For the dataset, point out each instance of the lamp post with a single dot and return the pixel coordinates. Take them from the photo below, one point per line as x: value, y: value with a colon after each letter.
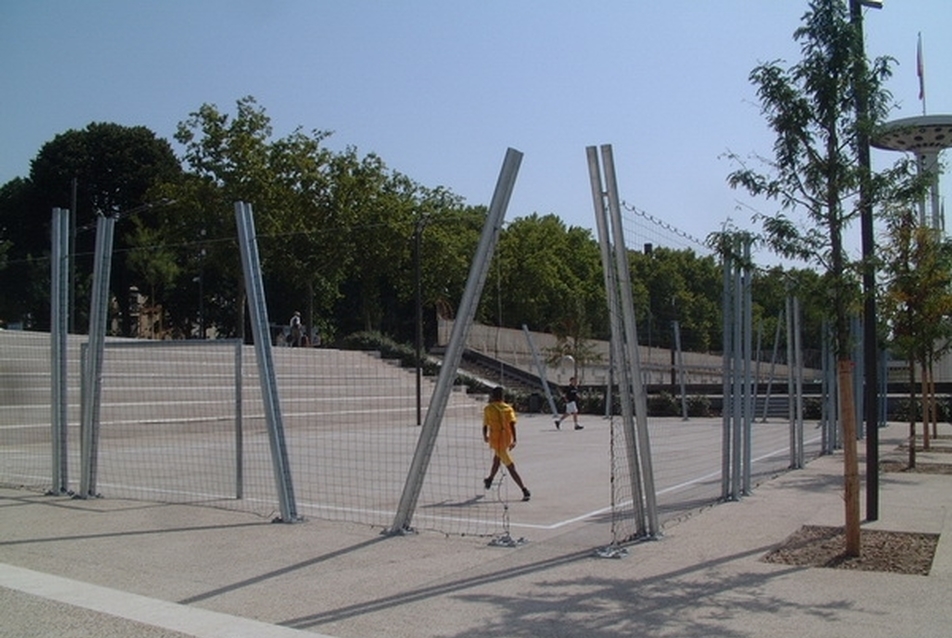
x: 200, y: 280
x: 870, y: 350
x: 201, y: 290
x: 418, y: 285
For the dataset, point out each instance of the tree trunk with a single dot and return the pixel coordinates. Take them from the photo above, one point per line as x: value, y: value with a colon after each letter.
x: 933, y: 400
x: 926, y: 406
x: 311, y: 328
x: 850, y: 460
x: 912, y: 415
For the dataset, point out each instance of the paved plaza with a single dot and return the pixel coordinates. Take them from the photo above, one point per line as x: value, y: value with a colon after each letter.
x: 108, y: 568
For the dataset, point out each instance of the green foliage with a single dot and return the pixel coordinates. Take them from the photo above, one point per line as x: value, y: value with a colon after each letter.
x: 664, y: 404
x: 699, y: 406
x: 812, y: 408
x: 337, y: 234
x: 821, y: 111
x: 114, y: 168
x: 234, y: 158
x: 917, y: 303
x: 158, y: 266
x: 909, y: 411
x: 772, y: 286
x: 389, y: 349
x: 677, y: 285
x: 811, y: 108
x: 545, y: 275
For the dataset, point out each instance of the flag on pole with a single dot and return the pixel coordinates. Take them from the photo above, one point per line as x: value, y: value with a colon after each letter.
x: 920, y: 71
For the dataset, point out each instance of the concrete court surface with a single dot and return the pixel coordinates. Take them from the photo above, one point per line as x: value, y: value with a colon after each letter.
x: 131, y: 568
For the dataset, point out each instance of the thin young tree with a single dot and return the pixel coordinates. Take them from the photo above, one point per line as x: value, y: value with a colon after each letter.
x: 810, y: 106
x: 917, y: 306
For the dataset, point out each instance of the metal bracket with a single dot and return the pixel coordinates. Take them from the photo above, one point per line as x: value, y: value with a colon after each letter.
x: 505, y: 540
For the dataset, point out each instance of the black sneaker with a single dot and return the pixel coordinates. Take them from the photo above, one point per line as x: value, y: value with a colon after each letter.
x: 578, y: 427
x: 525, y: 494
x: 488, y: 483
x: 558, y: 424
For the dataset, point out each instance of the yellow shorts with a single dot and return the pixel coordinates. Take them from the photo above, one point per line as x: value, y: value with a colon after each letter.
x: 504, y: 456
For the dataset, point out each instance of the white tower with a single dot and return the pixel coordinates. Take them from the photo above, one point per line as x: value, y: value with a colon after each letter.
x: 926, y: 136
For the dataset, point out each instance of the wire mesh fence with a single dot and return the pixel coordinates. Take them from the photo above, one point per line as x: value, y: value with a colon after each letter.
x: 184, y: 424
x: 26, y: 408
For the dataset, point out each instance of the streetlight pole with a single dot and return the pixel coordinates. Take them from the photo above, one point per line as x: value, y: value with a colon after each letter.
x: 72, y: 256
x: 418, y: 285
x: 201, y: 290
x: 870, y: 350
x: 201, y: 303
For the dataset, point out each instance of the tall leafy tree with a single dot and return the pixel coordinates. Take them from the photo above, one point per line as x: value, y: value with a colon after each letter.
x: 234, y: 158
x: 448, y: 235
x: 334, y: 229
x: 16, y: 256
x: 678, y: 286
x: 770, y: 289
x: 547, y: 276
x: 810, y: 106
x: 382, y: 206
x: 311, y: 257
x: 449, y: 232
x: 227, y: 162
x: 113, y: 168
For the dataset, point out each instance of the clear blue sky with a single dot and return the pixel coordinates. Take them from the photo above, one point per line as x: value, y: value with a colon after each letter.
x: 439, y: 89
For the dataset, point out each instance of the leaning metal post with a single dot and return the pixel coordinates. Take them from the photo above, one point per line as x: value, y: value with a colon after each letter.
x: 726, y: 400
x: 649, y: 526
x: 92, y: 371
x: 59, y: 328
x: 457, y: 342
x: 254, y: 286
x: 541, y: 369
x: 618, y: 368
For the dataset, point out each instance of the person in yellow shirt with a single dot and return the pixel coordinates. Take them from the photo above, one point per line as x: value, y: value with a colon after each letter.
x: 499, y: 431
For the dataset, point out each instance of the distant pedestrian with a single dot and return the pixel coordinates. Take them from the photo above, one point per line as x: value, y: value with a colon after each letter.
x: 499, y: 431
x: 570, y: 394
x: 297, y: 330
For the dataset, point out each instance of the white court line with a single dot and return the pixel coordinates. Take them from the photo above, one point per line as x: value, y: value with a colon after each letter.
x: 227, y: 419
x: 193, y: 621
x: 568, y: 521
x: 308, y: 506
x: 673, y: 488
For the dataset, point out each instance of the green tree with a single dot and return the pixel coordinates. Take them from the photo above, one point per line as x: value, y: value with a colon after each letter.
x: 308, y: 254
x: 810, y: 106
x: 335, y: 229
x: 158, y: 267
x: 384, y: 211
x: 545, y: 275
x: 16, y: 255
x: 449, y: 234
x: 114, y: 167
x: 287, y: 181
x: 770, y: 289
x: 676, y: 285
x: 449, y: 242
x: 917, y: 305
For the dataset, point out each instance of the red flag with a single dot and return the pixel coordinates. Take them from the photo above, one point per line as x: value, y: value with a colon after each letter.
x: 920, y: 71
